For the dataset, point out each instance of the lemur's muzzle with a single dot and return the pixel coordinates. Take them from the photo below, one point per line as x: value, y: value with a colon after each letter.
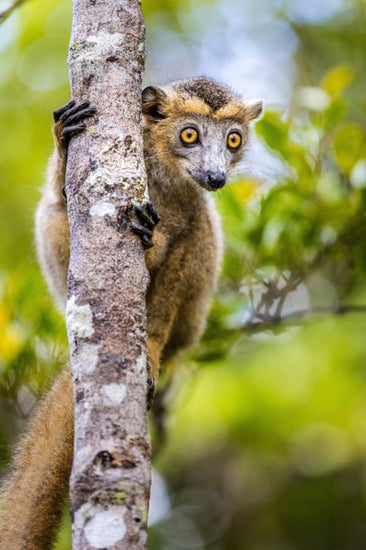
x: 215, y: 180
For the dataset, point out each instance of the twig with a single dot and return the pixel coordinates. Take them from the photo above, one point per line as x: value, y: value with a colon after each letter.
x: 268, y: 322
x: 6, y: 13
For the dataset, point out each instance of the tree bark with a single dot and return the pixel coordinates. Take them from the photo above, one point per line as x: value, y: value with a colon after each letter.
x: 106, y: 318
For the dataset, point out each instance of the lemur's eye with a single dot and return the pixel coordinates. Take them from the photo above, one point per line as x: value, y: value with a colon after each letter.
x: 234, y: 140
x: 189, y: 136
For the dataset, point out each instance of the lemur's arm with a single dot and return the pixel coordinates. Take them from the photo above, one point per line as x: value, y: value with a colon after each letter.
x: 35, y: 494
x: 52, y: 227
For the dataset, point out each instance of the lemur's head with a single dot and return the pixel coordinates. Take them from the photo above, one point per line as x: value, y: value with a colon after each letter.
x: 196, y: 129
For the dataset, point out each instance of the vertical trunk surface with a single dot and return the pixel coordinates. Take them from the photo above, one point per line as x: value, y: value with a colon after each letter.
x: 106, y: 321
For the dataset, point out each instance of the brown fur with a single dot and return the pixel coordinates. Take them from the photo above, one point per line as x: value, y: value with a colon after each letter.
x: 34, y: 496
x: 183, y: 266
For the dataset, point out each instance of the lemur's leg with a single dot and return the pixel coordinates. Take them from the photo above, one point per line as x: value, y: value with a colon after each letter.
x: 52, y: 228
x: 178, y: 298
x: 37, y: 487
x: 163, y: 301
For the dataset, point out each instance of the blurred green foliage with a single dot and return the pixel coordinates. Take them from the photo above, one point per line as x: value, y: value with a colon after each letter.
x: 266, y: 444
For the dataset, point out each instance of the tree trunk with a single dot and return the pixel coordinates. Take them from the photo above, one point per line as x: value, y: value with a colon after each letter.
x: 106, y: 319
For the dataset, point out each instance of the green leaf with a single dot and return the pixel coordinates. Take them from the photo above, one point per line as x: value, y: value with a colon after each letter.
x: 337, y: 79
x: 335, y: 113
x: 349, y: 143
x: 273, y: 130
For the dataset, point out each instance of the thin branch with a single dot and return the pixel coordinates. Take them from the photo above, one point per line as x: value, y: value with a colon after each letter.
x: 270, y: 321
x: 7, y: 13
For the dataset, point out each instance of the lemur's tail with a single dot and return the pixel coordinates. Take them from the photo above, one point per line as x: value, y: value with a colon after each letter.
x: 35, y: 491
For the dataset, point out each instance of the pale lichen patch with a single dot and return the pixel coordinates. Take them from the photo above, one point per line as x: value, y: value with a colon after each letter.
x: 87, y: 357
x: 105, y: 528
x: 102, y: 208
x: 114, y: 394
x: 141, y: 363
x: 96, y: 47
x: 84, y: 455
x: 79, y: 319
x: 98, y: 179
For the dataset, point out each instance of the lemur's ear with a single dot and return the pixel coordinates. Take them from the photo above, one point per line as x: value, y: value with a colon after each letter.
x: 254, y: 109
x: 153, y: 100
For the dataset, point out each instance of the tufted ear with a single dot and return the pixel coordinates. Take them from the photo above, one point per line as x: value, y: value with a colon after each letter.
x: 153, y: 100
x: 254, y: 109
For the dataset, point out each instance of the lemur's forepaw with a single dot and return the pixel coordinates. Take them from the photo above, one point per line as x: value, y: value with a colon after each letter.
x: 148, y: 218
x: 69, y: 119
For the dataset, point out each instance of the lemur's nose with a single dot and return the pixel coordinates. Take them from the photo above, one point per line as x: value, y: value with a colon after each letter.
x: 216, y: 180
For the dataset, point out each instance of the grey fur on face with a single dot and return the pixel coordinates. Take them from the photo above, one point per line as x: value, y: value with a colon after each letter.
x: 217, y: 122
x: 209, y: 160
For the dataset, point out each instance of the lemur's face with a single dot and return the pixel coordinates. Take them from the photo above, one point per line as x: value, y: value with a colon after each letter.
x: 206, y: 149
x: 189, y: 138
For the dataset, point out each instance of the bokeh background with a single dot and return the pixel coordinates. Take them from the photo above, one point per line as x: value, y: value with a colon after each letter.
x: 266, y: 422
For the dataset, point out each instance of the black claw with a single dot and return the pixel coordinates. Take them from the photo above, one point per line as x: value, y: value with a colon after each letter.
x: 71, y: 114
x: 141, y: 229
x: 63, y: 191
x: 147, y: 243
x: 153, y: 213
x: 75, y: 108
x: 59, y: 112
x: 70, y: 120
x: 148, y: 218
x: 143, y: 217
x: 70, y: 131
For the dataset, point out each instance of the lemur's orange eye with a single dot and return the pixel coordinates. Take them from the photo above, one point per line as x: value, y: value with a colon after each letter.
x: 189, y: 136
x: 234, y: 140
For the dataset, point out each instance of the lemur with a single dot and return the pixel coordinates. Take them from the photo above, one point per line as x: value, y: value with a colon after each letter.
x: 195, y: 132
